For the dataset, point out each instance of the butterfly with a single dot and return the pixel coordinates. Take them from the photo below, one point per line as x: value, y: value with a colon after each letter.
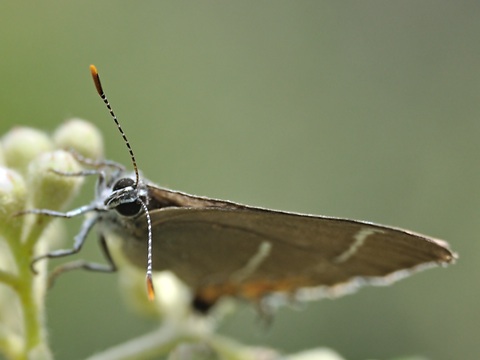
x: 221, y: 248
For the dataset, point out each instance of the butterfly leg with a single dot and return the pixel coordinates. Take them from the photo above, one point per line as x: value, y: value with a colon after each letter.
x: 77, y: 173
x: 79, y: 238
x: 95, y: 163
x: 69, y: 214
x: 82, y: 264
x: 98, y: 166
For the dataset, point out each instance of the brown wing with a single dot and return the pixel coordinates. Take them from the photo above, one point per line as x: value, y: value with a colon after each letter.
x: 221, y: 248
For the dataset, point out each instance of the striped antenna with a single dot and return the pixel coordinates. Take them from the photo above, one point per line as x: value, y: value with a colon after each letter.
x: 98, y: 85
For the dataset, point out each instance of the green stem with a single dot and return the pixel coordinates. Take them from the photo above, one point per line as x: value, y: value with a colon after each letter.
x: 31, y: 316
x: 24, y: 285
x: 36, y: 230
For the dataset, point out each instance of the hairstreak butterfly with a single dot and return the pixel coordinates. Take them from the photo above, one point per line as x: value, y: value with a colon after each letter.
x: 221, y: 248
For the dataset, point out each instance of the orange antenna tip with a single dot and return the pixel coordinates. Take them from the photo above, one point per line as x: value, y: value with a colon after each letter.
x: 96, y: 79
x: 150, y: 289
x: 93, y: 70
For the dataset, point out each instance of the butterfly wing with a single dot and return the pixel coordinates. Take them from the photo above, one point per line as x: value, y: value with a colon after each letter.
x: 221, y: 248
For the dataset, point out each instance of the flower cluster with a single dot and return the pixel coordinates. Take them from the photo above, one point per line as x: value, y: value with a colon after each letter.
x: 29, y: 164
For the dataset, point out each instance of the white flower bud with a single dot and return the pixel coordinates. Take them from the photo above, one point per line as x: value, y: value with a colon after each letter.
x: 22, y: 144
x: 172, y: 299
x: 81, y: 136
x: 48, y: 189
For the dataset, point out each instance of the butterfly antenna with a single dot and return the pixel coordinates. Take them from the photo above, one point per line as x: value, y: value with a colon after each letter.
x: 98, y: 85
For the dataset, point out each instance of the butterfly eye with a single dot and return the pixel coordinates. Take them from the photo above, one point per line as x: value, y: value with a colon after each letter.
x: 127, y: 208
x: 123, y: 183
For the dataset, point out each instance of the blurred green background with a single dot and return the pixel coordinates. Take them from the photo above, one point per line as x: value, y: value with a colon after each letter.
x: 368, y: 110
